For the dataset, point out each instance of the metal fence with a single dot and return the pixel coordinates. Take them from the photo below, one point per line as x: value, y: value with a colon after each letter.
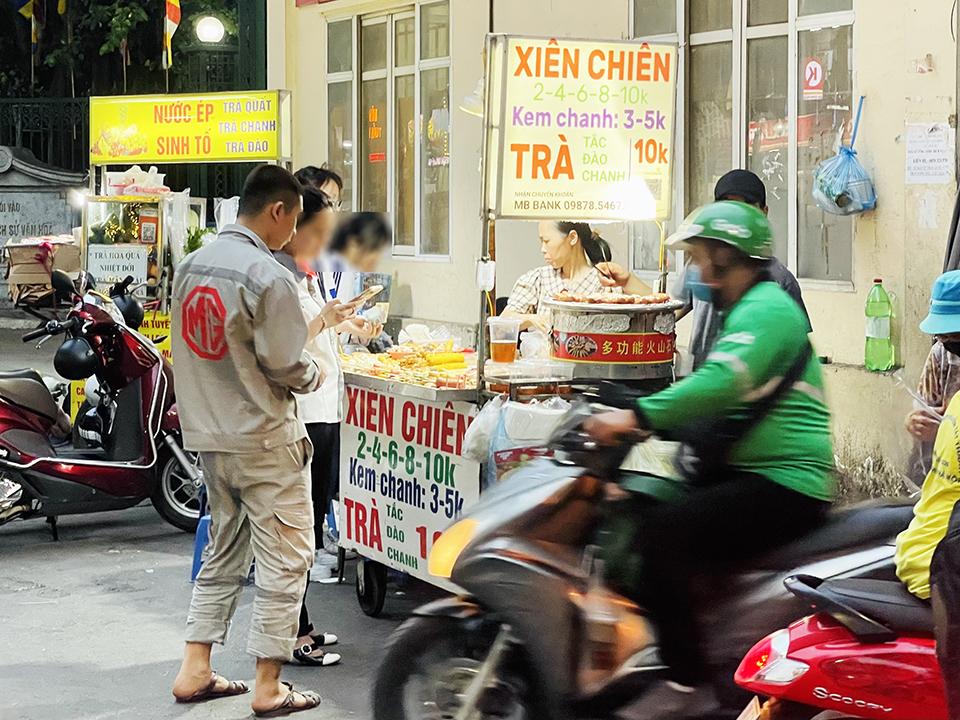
x: 54, y: 129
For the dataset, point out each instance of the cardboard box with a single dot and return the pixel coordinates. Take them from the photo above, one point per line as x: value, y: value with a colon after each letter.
x: 23, y: 267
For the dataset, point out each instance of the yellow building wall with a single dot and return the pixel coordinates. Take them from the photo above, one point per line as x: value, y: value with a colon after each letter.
x: 902, y: 241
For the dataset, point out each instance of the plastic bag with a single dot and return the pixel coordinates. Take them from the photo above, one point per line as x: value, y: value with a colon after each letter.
x: 841, y: 186
x: 476, y: 441
x: 522, y: 434
x: 225, y: 211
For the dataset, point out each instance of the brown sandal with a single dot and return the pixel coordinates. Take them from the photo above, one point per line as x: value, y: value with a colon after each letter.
x: 289, y: 704
x: 210, y: 692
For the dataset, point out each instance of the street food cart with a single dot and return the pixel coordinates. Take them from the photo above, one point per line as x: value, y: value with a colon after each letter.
x: 572, y: 128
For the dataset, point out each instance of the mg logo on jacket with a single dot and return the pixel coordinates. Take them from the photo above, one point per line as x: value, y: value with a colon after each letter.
x: 202, y: 321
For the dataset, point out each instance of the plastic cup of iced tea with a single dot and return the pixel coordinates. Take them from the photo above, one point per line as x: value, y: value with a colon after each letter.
x: 504, y: 335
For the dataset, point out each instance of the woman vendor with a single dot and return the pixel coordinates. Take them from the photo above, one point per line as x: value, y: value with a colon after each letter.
x: 578, y: 262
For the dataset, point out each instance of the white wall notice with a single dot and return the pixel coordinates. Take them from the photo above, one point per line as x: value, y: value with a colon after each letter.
x: 930, y: 153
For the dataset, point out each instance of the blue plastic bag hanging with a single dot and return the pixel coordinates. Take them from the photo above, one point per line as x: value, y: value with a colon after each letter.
x: 840, y: 184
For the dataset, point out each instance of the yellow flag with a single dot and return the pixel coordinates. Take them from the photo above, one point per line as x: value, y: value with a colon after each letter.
x: 61, y: 7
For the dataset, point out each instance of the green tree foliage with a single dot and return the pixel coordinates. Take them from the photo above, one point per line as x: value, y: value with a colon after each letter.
x: 80, y: 52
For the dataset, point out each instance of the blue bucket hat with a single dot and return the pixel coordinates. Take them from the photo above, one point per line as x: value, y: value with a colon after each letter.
x: 944, y: 315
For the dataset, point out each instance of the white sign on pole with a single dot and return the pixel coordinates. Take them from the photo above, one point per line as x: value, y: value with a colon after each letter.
x: 112, y: 263
x: 580, y: 129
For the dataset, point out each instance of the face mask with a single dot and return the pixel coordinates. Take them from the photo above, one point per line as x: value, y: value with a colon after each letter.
x: 951, y: 346
x: 695, y: 286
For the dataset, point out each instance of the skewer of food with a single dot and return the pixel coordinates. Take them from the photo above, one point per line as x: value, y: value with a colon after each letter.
x: 606, y: 298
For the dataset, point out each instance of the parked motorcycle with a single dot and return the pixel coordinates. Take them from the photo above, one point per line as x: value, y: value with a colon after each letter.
x: 868, y: 652
x: 134, y: 424
x: 538, y: 634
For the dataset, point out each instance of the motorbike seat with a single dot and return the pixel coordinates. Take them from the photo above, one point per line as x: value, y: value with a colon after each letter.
x: 26, y: 389
x: 889, y: 603
x: 25, y: 374
x: 858, y: 525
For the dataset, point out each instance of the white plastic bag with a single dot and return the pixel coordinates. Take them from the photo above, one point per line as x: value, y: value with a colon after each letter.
x: 225, y: 211
x: 476, y: 441
x: 522, y: 435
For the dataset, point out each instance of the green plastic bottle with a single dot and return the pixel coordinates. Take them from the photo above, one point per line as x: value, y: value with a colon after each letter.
x: 879, y: 351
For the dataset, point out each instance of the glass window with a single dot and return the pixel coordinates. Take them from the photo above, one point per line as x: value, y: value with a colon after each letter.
x: 767, y: 12
x: 646, y: 246
x: 435, y: 159
x: 373, y: 46
x: 811, y: 7
x: 340, y: 136
x: 373, y: 146
x: 340, y: 46
x: 709, y: 120
x: 404, y: 44
x: 823, y: 120
x: 434, y: 30
x: 654, y: 17
x: 405, y: 149
x: 768, y: 128
x: 706, y: 15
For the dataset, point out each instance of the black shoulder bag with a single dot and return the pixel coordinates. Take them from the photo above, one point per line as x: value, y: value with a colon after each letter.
x: 708, y: 443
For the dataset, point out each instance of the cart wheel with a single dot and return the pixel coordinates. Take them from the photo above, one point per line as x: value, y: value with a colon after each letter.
x: 371, y: 586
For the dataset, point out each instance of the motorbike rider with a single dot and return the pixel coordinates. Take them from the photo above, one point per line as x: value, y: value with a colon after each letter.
x: 745, y: 186
x: 759, y: 397
x: 928, y: 552
x: 940, y: 377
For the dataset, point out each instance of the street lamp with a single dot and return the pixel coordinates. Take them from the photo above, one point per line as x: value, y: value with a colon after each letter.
x: 210, y: 29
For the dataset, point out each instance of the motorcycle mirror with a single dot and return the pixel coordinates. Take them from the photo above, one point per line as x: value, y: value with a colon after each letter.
x: 63, y: 285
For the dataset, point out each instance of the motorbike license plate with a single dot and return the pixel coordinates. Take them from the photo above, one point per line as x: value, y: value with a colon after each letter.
x: 751, y: 711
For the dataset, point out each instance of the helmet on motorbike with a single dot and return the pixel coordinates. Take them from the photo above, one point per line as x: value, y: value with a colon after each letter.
x: 131, y: 309
x: 733, y: 223
x: 75, y: 359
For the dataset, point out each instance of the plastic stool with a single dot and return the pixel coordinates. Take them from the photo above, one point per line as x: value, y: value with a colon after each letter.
x: 199, y: 545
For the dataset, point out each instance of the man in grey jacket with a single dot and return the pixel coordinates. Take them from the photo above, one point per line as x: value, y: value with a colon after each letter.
x: 238, y: 337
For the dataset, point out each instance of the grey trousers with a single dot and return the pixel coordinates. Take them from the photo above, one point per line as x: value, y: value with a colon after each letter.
x: 260, y: 508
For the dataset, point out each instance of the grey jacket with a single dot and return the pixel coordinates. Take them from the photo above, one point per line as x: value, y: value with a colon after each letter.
x: 238, y: 340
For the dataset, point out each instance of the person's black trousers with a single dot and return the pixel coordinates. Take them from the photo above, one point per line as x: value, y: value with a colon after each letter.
x: 731, y: 520
x: 945, y: 596
x: 325, y: 474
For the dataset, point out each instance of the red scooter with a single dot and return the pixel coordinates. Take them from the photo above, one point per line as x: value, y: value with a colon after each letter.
x: 868, y: 652
x: 132, y: 421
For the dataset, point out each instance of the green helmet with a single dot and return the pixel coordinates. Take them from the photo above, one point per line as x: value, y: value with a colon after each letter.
x: 734, y: 223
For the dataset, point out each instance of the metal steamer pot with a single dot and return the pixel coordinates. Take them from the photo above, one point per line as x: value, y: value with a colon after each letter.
x: 614, y: 341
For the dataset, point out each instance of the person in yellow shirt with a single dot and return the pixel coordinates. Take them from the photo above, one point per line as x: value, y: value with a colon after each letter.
x: 941, y: 491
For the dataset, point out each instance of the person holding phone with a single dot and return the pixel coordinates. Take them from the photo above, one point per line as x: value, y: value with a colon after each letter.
x: 320, y: 410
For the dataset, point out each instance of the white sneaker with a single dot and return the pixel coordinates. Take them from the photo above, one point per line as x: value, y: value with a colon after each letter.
x: 324, y: 566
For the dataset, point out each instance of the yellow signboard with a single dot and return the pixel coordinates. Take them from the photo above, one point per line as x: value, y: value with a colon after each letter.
x: 214, y: 127
x: 580, y: 129
x: 156, y: 327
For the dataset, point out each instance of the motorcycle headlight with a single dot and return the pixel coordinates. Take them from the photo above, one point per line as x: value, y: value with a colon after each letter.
x: 446, y: 550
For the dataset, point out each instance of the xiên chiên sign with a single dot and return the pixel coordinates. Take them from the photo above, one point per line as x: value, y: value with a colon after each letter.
x: 403, y: 476
x: 215, y: 127
x: 586, y: 128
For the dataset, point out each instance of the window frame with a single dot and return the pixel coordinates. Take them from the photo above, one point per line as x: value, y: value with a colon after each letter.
x: 404, y: 10
x: 739, y: 34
